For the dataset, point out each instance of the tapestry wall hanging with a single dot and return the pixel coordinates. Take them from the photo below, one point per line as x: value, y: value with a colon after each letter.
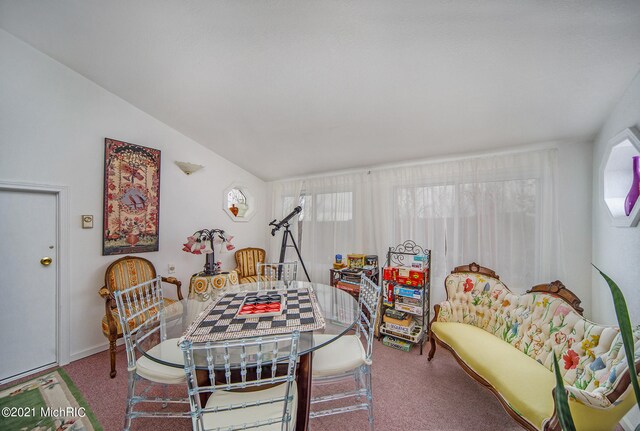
x: 131, y: 198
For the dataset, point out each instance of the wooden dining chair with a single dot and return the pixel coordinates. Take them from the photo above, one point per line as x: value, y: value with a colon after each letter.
x: 123, y: 273
x: 140, y: 305
x: 348, y: 358
x: 266, y: 400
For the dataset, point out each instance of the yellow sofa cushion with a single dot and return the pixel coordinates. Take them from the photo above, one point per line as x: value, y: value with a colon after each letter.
x: 524, y: 383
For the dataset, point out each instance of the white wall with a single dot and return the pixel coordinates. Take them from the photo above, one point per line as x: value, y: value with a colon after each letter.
x: 53, y: 123
x: 616, y: 250
x: 574, y: 205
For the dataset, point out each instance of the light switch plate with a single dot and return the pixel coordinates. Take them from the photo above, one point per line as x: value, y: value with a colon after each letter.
x: 87, y: 222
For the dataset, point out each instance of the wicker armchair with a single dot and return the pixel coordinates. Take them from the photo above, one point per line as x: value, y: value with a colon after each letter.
x: 126, y: 272
x: 246, y: 260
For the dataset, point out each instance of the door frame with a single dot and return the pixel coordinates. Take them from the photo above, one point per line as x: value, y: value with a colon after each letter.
x: 63, y: 281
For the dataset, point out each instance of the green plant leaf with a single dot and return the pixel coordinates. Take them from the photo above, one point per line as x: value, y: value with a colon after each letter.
x: 562, y: 400
x: 626, y: 331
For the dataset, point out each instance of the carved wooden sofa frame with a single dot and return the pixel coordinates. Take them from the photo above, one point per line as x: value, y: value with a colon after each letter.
x: 556, y: 289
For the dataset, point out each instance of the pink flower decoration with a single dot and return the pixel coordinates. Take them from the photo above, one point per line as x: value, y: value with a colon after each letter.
x: 563, y: 309
x: 205, y: 241
x: 194, y: 246
x: 189, y: 245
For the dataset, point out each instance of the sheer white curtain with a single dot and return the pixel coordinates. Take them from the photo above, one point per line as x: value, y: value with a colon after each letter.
x: 329, y: 223
x: 498, y: 211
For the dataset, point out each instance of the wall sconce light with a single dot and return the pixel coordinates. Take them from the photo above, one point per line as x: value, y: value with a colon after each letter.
x: 189, y: 168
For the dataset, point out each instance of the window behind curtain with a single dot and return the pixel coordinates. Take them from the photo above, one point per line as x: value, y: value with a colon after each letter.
x: 493, y: 223
x: 325, y: 227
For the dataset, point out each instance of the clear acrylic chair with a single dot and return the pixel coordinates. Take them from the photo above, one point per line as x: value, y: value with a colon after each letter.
x: 276, y: 274
x: 255, y: 362
x: 143, y: 305
x: 347, y: 358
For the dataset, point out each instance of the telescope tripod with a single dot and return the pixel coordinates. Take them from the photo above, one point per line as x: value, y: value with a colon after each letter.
x: 283, y: 250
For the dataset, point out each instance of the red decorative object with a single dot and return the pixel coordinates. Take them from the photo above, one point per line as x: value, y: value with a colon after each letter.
x: 131, y: 198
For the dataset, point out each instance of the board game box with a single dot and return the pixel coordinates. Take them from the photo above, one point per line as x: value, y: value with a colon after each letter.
x: 396, y: 343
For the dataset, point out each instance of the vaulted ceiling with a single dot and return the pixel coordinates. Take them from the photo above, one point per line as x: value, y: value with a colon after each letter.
x: 292, y: 87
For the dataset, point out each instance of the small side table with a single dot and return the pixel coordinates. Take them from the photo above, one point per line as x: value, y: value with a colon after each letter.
x: 336, y: 275
x: 351, y: 284
x: 206, y: 287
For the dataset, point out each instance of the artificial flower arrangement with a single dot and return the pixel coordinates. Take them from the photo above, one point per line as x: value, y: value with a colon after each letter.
x: 205, y: 241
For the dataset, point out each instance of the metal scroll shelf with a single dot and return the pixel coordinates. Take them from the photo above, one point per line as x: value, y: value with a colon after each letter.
x: 398, y: 256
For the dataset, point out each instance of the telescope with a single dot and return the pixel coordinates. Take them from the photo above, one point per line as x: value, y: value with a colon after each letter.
x: 287, y: 234
x: 284, y: 221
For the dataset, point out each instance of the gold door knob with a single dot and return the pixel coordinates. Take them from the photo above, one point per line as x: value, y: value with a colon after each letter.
x: 46, y: 261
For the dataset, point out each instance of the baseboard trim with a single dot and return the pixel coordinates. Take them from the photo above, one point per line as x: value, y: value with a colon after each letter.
x: 92, y: 350
x: 627, y: 422
x: 28, y: 373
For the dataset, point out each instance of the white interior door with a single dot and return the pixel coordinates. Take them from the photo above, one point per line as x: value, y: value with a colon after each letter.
x: 28, y: 285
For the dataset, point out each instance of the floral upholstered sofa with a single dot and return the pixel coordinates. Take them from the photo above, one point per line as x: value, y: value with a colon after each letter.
x: 505, y: 341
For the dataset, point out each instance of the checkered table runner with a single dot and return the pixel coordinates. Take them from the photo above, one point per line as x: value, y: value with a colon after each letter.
x: 217, y: 322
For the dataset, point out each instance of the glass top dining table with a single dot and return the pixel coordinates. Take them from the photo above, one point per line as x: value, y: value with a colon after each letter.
x: 338, y: 308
